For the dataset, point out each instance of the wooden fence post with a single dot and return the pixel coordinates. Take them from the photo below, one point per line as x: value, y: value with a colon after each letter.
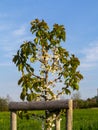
x: 57, y: 121
x: 69, y: 116
x: 13, y: 120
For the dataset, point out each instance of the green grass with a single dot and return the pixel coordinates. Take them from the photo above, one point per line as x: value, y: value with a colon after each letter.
x: 30, y: 124
x: 4, y: 121
x: 83, y: 119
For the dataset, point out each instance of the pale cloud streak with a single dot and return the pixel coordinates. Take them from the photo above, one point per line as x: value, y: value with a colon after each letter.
x: 11, y: 43
x: 90, y: 56
x: 20, y: 31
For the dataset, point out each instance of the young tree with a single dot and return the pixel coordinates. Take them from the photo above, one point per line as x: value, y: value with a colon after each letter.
x: 46, y: 65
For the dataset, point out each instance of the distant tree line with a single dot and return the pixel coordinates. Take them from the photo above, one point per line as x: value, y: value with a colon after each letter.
x: 81, y: 103
x: 4, y: 103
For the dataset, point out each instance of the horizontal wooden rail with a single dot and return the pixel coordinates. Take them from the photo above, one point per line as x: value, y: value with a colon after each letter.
x: 39, y: 105
x: 42, y: 105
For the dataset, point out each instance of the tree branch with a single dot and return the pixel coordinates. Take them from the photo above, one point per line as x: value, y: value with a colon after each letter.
x: 60, y: 93
x: 55, y: 80
x: 37, y: 76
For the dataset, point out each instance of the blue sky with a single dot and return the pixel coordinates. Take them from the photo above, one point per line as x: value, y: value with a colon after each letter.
x: 80, y: 18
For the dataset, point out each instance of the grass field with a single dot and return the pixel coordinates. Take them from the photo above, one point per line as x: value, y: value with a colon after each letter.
x: 83, y: 119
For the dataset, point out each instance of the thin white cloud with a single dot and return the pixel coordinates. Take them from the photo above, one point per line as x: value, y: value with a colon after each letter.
x: 90, y: 56
x: 19, y: 32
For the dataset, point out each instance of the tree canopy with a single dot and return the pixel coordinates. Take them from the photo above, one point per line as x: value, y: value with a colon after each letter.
x: 52, y: 60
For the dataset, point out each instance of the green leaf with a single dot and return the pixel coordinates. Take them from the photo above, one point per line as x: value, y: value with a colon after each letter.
x: 22, y: 96
x: 36, y: 40
x: 75, y: 86
x: 15, y: 58
x: 20, y: 80
x: 36, y: 86
x: 20, y: 67
x: 32, y: 59
x: 20, y: 114
x: 67, y: 91
x: 29, y: 97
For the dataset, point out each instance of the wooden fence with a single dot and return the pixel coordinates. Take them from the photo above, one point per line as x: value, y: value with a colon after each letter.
x: 42, y: 105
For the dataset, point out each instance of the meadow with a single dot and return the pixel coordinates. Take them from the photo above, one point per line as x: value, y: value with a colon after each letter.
x: 83, y: 119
